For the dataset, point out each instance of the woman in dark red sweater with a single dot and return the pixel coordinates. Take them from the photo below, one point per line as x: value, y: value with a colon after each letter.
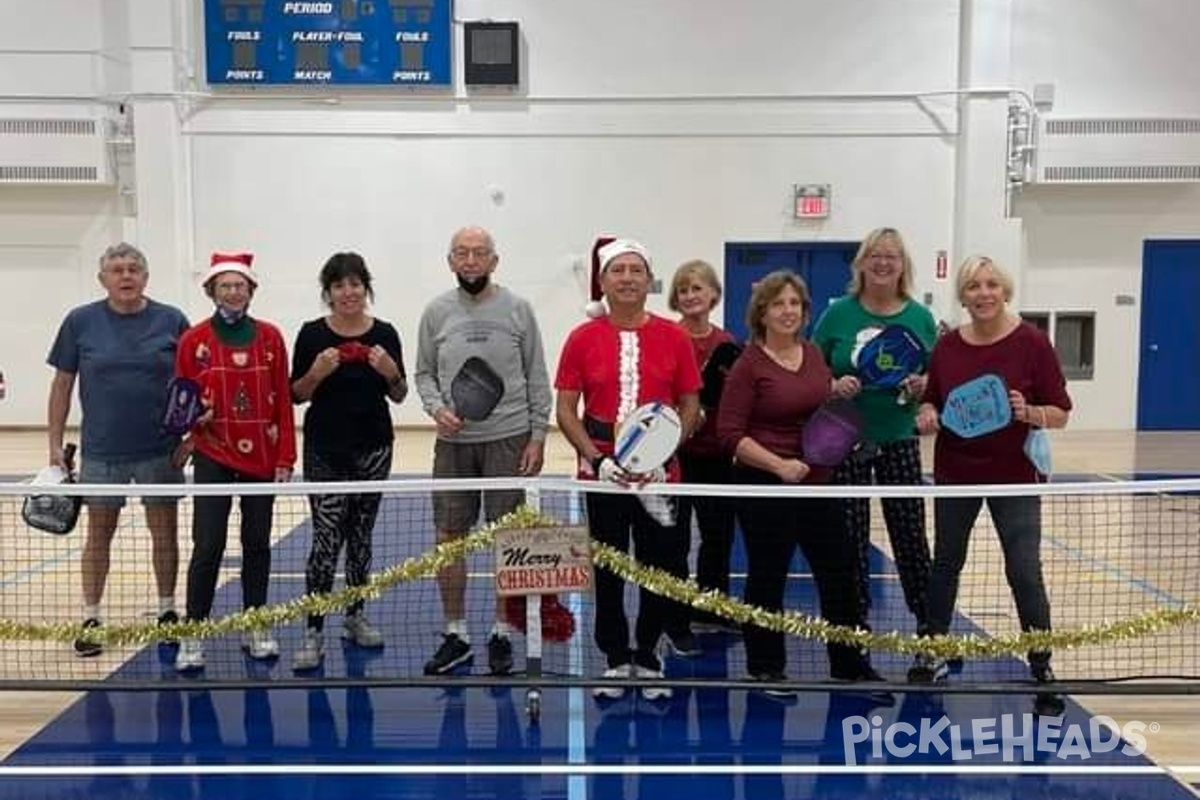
x: 999, y: 342
x: 773, y: 389
x: 695, y: 290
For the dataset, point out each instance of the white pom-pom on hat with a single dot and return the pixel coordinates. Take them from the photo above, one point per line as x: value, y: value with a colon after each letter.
x: 604, y: 251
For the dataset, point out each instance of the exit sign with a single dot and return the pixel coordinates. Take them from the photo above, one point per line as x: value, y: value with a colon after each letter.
x: 812, y: 200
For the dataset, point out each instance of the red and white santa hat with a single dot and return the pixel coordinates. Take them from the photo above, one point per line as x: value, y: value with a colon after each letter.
x: 604, y: 251
x: 230, y: 262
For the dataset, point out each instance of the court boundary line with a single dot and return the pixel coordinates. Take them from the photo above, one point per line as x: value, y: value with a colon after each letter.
x: 576, y: 710
x: 1016, y: 768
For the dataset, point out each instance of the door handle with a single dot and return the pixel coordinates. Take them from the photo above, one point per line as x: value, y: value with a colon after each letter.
x: 1153, y: 348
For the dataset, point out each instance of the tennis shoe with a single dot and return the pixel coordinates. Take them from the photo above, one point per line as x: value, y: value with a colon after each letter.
x: 452, y: 652
x: 311, y: 652
x: 190, y: 657
x: 85, y: 647
x: 357, y: 629
x: 260, y: 645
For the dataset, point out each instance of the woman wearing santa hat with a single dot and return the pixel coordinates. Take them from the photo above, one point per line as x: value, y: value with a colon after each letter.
x: 245, y: 435
x: 614, y: 363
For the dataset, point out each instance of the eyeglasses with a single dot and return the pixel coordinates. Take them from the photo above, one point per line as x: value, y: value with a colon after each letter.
x: 884, y: 256
x: 463, y: 253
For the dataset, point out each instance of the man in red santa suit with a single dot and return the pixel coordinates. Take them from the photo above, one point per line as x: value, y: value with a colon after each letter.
x: 614, y: 363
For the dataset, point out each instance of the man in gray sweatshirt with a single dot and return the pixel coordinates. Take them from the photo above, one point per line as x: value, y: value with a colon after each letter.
x: 487, y: 338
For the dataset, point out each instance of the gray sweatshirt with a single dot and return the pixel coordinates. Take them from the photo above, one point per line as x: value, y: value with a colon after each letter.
x: 502, y: 330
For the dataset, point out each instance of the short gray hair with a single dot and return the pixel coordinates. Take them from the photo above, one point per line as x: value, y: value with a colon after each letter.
x: 124, y: 250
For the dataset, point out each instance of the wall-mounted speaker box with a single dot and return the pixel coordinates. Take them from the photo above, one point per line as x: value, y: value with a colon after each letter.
x: 491, y: 53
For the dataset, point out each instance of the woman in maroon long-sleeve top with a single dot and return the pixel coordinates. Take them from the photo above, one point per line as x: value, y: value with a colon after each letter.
x: 993, y: 341
x: 776, y: 385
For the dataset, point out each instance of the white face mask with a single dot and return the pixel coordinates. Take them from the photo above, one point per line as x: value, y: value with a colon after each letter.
x: 231, y: 315
x: 1037, y: 450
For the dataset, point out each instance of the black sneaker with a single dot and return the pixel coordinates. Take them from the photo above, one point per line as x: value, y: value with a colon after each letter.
x: 684, y: 644
x: 168, y: 618
x: 84, y: 647
x: 452, y: 652
x: 928, y: 669
x: 1046, y: 704
x: 500, y: 654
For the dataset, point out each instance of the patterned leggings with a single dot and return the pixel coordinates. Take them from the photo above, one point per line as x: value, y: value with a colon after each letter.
x: 339, y: 519
x: 893, y: 464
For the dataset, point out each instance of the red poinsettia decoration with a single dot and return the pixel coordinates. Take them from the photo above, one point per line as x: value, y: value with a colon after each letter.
x: 558, y: 623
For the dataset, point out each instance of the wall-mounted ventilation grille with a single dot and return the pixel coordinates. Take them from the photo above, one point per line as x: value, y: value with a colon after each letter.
x: 1159, y: 174
x: 48, y: 174
x: 53, y: 150
x: 1120, y: 127
x: 1112, y: 150
x: 47, y: 127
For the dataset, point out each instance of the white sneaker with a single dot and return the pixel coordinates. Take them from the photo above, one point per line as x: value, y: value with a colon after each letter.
x: 620, y: 673
x: 190, y: 656
x: 311, y: 652
x: 653, y: 692
x: 356, y: 629
x: 260, y: 645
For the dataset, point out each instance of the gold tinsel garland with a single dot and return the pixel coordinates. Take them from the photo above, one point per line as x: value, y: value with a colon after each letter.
x: 803, y: 625
x: 625, y: 567
x: 425, y: 565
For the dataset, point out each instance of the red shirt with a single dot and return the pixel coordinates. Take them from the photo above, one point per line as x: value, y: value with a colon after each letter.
x: 770, y: 404
x: 663, y: 369
x: 253, y: 428
x: 705, y: 442
x: 1028, y: 364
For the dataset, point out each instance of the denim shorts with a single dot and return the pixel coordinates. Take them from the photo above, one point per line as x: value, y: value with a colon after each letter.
x: 157, y: 469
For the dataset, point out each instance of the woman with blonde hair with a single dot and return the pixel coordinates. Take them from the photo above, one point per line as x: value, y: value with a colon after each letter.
x: 994, y: 341
x: 880, y: 295
x: 695, y: 291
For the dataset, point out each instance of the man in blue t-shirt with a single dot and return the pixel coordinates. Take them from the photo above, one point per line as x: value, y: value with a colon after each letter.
x: 122, y: 349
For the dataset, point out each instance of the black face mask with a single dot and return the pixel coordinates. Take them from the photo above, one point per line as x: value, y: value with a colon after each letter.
x: 473, y: 286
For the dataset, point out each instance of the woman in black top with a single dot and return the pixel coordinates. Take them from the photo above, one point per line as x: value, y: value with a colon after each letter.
x: 346, y: 365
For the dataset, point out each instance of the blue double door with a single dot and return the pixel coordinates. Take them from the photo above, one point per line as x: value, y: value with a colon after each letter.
x: 824, y: 266
x: 1168, y: 380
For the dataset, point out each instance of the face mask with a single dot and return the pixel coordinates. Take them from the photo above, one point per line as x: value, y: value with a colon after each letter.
x: 473, y: 285
x: 1037, y: 450
x: 231, y: 315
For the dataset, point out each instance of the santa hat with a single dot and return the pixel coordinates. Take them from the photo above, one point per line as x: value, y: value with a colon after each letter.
x: 604, y: 252
x: 231, y: 262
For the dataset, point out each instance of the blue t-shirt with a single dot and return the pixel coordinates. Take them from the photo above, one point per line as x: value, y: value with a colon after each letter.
x: 123, y: 363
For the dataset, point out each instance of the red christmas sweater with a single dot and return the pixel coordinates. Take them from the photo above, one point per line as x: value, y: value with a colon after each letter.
x: 252, y: 429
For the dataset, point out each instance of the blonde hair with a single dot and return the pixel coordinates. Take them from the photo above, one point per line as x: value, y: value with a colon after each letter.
x: 765, y: 292
x: 695, y: 269
x: 969, y: 269
x: 872, y: 240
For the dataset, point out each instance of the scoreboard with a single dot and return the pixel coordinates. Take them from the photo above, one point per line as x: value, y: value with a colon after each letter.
x: 336, y: 42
